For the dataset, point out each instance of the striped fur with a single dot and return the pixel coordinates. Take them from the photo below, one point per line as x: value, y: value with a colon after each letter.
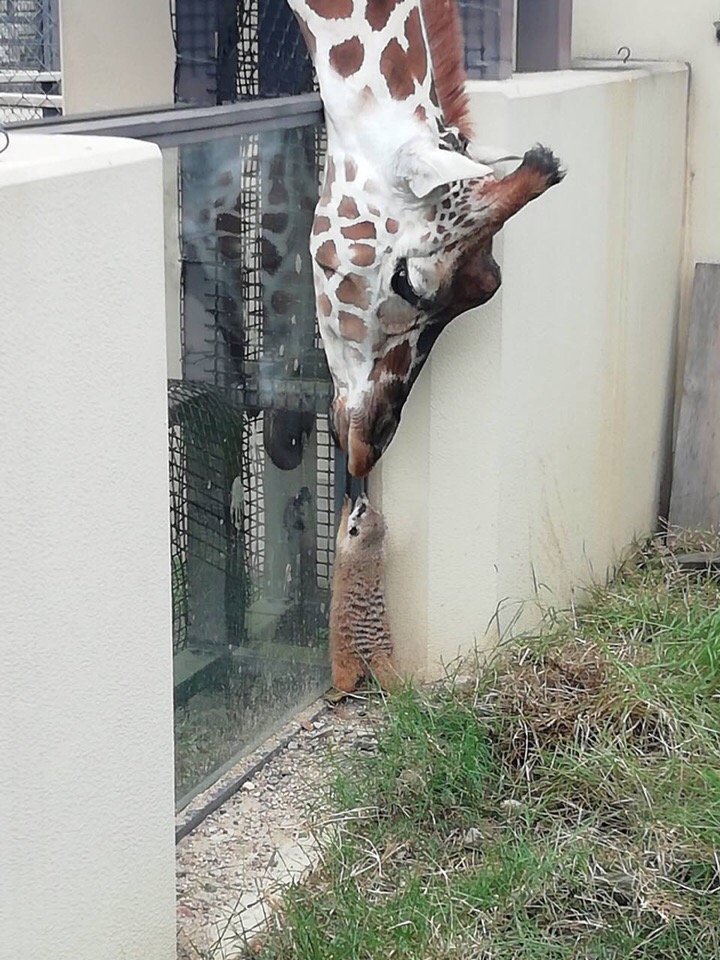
x: 360, y: 641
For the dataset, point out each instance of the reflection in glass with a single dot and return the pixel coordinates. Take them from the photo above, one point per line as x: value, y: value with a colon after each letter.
x: 252, y: 470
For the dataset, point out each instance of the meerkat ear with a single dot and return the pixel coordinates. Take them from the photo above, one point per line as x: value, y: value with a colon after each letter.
x: 426, y: 169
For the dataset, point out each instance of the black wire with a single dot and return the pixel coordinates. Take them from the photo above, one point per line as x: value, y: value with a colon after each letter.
x: 6, y: 136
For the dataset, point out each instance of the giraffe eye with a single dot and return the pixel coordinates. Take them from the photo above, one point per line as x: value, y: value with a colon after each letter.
x: 353, y: 531
x: 401, y: 284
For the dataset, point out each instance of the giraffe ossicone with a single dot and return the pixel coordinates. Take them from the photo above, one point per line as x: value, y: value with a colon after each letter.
x: 403, y: 229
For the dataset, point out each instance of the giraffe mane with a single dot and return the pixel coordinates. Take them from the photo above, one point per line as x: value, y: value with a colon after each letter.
x: 447, y: 51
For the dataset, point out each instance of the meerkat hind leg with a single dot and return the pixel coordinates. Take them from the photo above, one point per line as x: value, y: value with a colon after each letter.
x: 347, y: 671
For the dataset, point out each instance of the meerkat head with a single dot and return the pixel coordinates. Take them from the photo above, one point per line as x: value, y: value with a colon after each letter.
x: 365, y: 525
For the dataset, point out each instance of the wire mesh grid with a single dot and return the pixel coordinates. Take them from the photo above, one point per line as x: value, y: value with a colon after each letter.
x: 29, y: 60
x: 488, y: 28
x: 250, y: 339
x: 207, y: 447
x: 229, y: 50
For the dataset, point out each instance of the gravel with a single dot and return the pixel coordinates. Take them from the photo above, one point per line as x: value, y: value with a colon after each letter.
x: 233, y: 866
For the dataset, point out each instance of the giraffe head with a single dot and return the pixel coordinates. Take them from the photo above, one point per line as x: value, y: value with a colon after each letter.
x: 402, y: 237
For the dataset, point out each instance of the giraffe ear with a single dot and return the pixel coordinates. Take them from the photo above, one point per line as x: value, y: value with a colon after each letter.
x: 426, y: 170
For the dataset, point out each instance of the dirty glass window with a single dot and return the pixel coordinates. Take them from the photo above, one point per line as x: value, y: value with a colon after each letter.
x: 544, y: 35
x: 489, y: 37
x: 252, y: 472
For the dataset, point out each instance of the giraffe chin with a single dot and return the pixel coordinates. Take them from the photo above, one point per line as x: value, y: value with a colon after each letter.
x: 362, y: 456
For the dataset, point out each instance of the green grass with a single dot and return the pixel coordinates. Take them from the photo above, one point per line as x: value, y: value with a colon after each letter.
x: 567, y: 808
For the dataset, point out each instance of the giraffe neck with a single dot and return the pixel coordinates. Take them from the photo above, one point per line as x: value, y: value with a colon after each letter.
x: 373, y: 64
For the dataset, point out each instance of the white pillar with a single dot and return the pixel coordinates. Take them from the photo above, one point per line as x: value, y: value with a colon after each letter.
x: 86, y: 792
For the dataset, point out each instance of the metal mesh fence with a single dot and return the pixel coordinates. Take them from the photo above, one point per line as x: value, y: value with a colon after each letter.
x: 250, y: 340
x: 488, y: 26
x: 29, y: 60
x: 208, y: 457
x: 229, y: 50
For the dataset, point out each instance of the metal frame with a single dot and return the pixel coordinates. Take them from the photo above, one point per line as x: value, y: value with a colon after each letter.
x: 174, y: 126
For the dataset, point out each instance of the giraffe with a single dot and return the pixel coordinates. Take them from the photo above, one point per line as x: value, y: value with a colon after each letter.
x: 224, y: 182
x: 401, y: 241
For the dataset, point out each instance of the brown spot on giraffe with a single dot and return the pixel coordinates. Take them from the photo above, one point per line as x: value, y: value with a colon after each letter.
x: 327, y: 255
x: 331, y: 9
x: 228, y: 223
x: 348, y: 208
x: 275, y: 222
x: 282, y: 301
x: 421, y: 113
x: 397, y: 315
x: 347, y: 57
x: 392, y: 225
x: 365, y: 230
x: 396, y: 362
x: 229, y: 246
x: 277, y: 166
x: 378, y: 12
x: 373, y: 210
x: 362, y: 254
x: 278, y: 193
x: 321, y: 225
x: 325, y: 304
x: 416, y: 52
x: 350, y: 170
x: 353, y: 289
x: 351, y: 326
x: 395, y: 69
x: 270, y: 257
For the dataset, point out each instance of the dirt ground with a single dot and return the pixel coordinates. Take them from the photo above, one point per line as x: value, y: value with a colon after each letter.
x: 231, y: 868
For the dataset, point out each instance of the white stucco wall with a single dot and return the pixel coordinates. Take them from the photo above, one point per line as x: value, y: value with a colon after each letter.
x: 86, y: 792
x: 683, y: 31
x: 533, y: 447
x: 116, y: 55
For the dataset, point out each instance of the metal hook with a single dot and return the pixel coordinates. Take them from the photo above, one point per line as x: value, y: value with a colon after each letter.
x: 628, y: 55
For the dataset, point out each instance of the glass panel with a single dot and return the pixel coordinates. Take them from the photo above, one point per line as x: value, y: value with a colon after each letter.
x: 251, y: 459
x: 488, y: 29
x: 544, y: 34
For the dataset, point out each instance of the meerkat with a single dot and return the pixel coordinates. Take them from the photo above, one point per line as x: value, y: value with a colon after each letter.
x: 360, y: 642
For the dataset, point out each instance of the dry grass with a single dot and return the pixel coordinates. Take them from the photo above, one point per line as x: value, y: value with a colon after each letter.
x: 566, y: 807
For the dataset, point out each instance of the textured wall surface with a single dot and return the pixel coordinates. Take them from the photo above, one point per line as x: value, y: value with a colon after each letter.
x: 86, y: 793
x: 668, y: 30
x: 535, y: 443
x: 116, y: 55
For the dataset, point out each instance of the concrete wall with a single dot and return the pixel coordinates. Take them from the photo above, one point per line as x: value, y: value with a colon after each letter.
x: 683, y: 31
x: 116, y: 55
x: 86, y: 793
x: 533, y: 447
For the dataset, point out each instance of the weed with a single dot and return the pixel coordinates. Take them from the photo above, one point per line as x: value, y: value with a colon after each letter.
x: 565, y: 808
